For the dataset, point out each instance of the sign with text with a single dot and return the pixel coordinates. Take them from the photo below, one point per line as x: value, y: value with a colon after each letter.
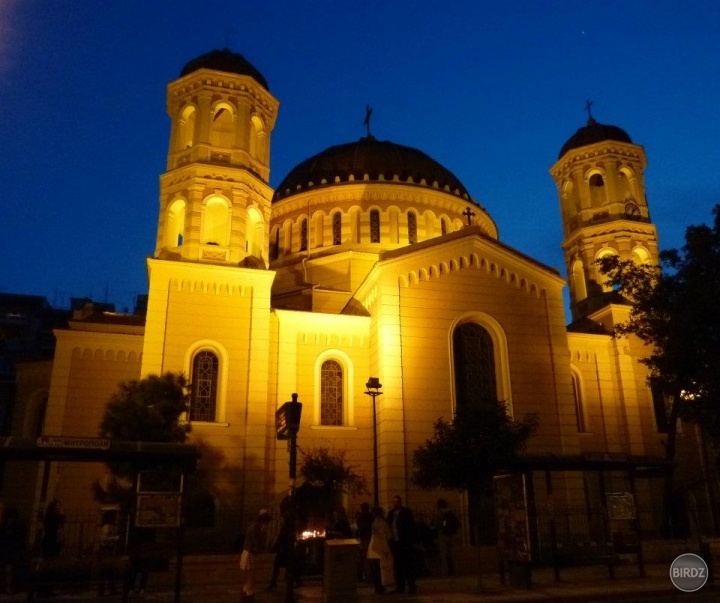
x: 76, y: 443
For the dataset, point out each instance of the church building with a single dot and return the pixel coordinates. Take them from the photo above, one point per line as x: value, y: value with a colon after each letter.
x: 370, y: 259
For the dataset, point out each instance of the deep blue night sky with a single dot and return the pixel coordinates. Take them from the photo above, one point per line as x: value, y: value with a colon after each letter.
x: 491, y: 90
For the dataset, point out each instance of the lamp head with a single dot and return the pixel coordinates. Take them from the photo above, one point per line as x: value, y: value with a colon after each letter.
x: 373, y: 383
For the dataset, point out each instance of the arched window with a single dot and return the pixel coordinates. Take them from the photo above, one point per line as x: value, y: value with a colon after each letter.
x: 331, y: 393
x: 374, y: 226
x: 203, y: 394
x: 337, y: 228
x: 254, y: 237
x: 186, y: 129
x: 412, y: 227
x: 474, y: 360
x: 275, y: 244
x: 597, y: 189
x: 221, y: 132
x: 578, y: 280
x: 304, y: 235
x: 215, y: 222
x: 579, y: 403
x: 257, y: 138
x: 175, y: 224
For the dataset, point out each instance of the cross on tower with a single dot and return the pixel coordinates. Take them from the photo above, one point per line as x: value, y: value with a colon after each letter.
x: 366, y: 122
x: 588, y: 105
x: 468, y: 213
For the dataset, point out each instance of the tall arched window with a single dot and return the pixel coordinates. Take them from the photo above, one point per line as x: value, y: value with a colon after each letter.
x: 412, y: 228
x: 203, y: 395
x: 215, y: 224
x: 374, y: 226
x: 255, y: 230
x: 304, y: 235
x: 175, y: 224
x: 275, y: 244
x: 331, y: 393
x: 186, y: 128
x: 579, y: 407
x: 337, y: 228
x: 597, y: 190
x: 221, y: 129
x: 578, y: 280
x: 474, y: 360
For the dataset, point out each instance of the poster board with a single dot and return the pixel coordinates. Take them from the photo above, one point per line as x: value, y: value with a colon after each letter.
x: 513, y: 526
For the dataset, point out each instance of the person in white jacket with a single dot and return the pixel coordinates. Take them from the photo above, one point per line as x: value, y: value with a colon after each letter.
x: 379, y: 555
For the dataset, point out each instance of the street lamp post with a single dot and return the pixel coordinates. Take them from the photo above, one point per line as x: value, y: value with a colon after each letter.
x: 373, y: 386
x: 287, y: 424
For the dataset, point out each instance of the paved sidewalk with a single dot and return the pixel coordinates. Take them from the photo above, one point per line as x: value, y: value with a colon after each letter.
x: 581, y: 585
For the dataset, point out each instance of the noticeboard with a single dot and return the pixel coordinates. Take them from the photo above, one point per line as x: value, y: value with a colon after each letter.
x: 513, y: 526
x: 158, y: 510
x: 620, y: 505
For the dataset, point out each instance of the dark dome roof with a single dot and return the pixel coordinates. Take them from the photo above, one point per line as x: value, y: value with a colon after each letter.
x: 594, y: 132
x: 225, y: 60
x: 373, y: 158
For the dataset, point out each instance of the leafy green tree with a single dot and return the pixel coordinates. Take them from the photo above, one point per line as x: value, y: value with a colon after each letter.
x: 465, y: 453
x: 149, y: 410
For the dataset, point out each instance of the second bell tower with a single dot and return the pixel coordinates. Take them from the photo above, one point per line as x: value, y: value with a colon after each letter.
x: 599, y: 176
x: 215, y: 197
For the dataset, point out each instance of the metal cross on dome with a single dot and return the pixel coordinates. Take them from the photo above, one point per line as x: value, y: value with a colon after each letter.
x: 468, y: 213
x: 366, y: 121
x: 588, y: 106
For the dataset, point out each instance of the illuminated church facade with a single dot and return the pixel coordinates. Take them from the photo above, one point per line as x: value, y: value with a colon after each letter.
x: 370, y: 259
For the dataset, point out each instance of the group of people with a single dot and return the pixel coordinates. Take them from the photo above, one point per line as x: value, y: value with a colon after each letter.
x: 387, y: 541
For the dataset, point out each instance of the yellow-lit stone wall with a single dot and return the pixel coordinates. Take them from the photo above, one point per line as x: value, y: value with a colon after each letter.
x: 87, y: 369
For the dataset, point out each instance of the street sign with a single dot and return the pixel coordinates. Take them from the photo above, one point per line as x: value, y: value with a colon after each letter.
x: 76, y: 443
x: 287, y: 419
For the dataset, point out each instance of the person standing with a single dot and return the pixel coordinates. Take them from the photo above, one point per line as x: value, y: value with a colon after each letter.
x: 255, y: 543
x: 379, y: 556
x: 11, y: 547
x: 363, y: 521
x: 447, y: 525
x: 282, y: 549
x: 53, y: 523
x: 402, y: 525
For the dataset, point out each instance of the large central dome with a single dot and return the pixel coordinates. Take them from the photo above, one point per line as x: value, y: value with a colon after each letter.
x: 369, y: 160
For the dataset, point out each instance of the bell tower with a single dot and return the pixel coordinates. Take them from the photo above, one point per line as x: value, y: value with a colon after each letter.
x: 599, y: 176
x: 215, y: 197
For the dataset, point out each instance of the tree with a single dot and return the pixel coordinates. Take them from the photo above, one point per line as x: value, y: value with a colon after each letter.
x: 675, y: 311
x: 465, y: 453
x: 148, y: 410
x: 327, y: 476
